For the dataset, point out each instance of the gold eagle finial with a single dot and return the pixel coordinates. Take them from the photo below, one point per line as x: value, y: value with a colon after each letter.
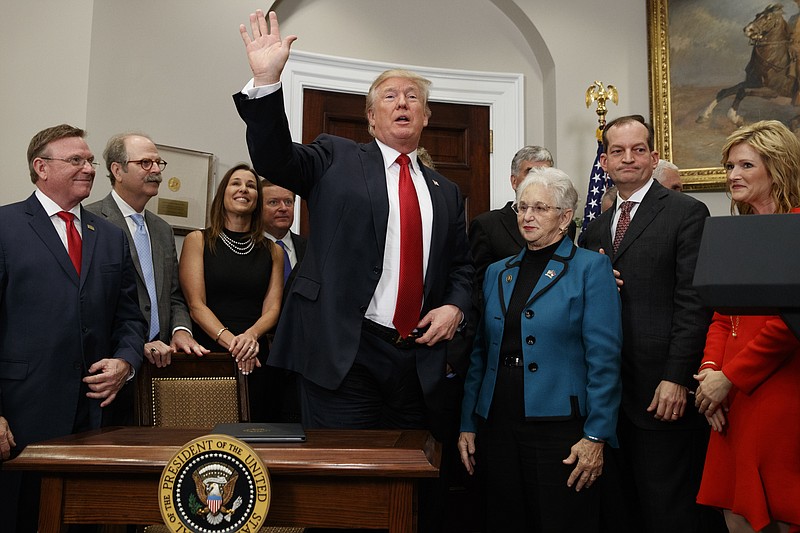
x: 599, y: 93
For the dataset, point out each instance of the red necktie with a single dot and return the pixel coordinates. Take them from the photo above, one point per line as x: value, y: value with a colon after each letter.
x: 409, y: 289
x: 622, y: 223
x: 74, y: 244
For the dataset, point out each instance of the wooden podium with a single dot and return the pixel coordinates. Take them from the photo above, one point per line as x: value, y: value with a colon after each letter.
x: 337, y: 478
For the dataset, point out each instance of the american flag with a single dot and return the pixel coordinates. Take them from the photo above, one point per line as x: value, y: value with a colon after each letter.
x: 599, y: 181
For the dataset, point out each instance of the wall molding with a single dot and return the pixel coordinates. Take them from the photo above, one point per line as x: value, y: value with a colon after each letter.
x: 501, y: 92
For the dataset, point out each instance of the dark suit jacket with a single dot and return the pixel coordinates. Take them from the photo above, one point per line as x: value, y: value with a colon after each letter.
x: 300, y: 252
x: 54, y: 325
x: 664, y: 324
x: 172, y: 310
x: 345, y: 187
x: 493, y: 235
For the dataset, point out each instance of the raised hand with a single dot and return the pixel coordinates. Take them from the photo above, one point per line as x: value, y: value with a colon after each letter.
x: 266, y: 52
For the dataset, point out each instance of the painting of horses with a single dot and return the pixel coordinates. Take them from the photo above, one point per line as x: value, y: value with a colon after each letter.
x: 727, y: 64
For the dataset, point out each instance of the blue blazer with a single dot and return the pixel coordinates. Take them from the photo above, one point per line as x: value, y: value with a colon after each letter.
x: 571, y: 341
x: 344, y: 185
x: 54, y: 324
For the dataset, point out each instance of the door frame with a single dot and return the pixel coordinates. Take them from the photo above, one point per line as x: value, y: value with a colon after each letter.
x: 503, y: 93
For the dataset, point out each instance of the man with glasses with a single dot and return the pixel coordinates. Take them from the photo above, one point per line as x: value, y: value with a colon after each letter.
x: 134, y: 168
x: 71, y: 333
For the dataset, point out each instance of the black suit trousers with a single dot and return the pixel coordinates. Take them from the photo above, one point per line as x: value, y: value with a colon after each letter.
x: 381, y: 391
x: 521, y: 463
x: 652, y: 482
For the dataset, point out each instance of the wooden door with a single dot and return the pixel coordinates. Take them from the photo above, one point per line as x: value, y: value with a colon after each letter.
x: 457, y: 138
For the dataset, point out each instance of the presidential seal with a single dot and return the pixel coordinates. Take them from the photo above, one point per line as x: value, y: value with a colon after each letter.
x: 215, y: 483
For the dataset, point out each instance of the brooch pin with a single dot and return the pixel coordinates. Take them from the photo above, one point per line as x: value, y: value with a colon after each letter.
x: 550, y: 274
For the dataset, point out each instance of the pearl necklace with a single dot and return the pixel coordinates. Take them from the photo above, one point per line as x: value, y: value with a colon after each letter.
x: 238, y: 247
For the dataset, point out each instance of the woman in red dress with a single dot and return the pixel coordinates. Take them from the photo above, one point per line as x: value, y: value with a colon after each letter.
x: 749, y: 379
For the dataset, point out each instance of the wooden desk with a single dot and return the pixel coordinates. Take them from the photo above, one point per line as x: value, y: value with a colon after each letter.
x: 365, y: 479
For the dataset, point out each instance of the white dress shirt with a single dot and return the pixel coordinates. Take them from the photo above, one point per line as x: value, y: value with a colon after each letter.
x: 381, y: 307
x: 51, y: 208
x: 637, y: 198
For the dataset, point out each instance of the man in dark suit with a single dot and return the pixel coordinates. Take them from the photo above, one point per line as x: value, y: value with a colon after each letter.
x: 662, y: 438
x: 278, y: 216
x: 371, y: 354
x: 71, y: 333
x: 134, y: 168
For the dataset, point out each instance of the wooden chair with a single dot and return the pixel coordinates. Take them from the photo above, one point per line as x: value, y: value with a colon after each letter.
x: 192, y: 392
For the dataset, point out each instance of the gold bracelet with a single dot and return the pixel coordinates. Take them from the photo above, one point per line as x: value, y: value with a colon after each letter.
x: 220, y: 333
x: 709, y: 363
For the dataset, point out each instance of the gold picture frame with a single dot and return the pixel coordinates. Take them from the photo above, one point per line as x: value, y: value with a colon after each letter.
x: 694, y: 179
x: 185, y: 195
x: 697, y: 48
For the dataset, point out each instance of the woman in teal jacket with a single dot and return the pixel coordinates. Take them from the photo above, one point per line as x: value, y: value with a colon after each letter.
x: 543, y: 388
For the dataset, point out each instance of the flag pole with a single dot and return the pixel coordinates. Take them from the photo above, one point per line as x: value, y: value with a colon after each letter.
x: 598, y: 179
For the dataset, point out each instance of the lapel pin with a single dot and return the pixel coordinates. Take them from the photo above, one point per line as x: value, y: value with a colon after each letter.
x: 550, y: 274
x: 435, y: 182
x: 509, y: 278
x: 90, y: 227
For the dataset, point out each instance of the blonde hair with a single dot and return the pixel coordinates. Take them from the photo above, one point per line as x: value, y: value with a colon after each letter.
x: 424, y: 86
x: 780, y: 150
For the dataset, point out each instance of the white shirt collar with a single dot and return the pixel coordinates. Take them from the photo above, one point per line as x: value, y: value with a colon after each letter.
x: 51, y: 208
x: 390, y: 156
x: 638, y: 195
x: 126, y: 209
x: 286, y: 239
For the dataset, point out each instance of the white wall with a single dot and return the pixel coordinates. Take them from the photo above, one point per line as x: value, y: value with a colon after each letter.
x: 44, y: 78
x: 169, y: 68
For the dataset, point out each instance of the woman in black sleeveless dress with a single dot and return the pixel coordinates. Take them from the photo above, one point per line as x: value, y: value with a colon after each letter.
x: 232, y: 277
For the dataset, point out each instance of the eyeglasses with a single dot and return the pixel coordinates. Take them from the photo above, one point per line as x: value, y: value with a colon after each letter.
x: 147, y: 164
x: 75, y: 161
x: 538, y: 208
x: 289, y: 202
